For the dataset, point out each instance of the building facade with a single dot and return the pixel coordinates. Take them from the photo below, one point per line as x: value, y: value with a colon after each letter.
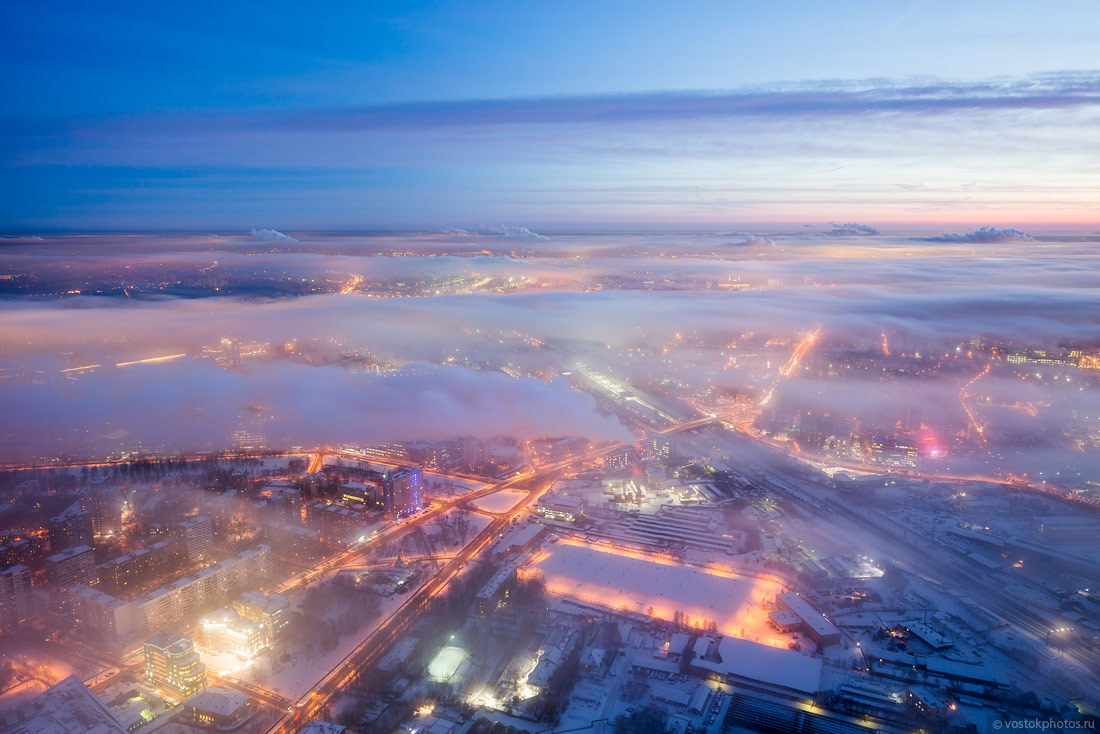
x: 69, y: 530
x: 172, y: 663
x: 71, y: 567
x: 15, y: 594
x: 402, y: 491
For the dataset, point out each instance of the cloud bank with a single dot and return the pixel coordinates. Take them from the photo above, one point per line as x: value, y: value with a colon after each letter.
x: 852, y: 228
x: 503, y: 231
x: 985, y: 235
x: 271, y: 235
x: 753, y: 242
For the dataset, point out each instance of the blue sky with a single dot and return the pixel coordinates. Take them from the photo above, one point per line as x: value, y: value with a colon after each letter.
x: 380, y: 115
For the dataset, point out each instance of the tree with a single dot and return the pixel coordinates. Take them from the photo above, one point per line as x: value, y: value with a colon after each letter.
x: 635, y: 688
x: 648, y: 720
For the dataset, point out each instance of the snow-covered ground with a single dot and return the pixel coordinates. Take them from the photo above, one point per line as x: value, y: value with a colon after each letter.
x: 499, y: 501
x: 302, y: 672
x: 263, y: 465
x: 438, y: 485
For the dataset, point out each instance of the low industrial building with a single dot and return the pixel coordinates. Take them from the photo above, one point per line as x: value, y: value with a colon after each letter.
x: 814, y: 624
x: 926, y: 703
x: 751, y: 665
x: 521, y: 539
x: 218, y: 708
x: 68, y: 706
x: 560, y: 507
x: 784, y: 620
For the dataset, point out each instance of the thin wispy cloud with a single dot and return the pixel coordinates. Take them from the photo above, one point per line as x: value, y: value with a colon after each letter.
x: 925, y: 151
x: 832, y: 98
x: 1052, y: 91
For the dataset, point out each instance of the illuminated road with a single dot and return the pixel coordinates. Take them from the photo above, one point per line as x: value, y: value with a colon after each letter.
x: 399, y: 463
x: 800, y: 353
x: 269, y: 697
x: 353, y: 282
x: 974, y: 422
x: 817, y: 461
x: 689, y: 425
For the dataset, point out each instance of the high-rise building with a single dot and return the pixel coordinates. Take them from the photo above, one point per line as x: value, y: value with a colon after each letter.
x: 196, y: 537
x: 621, y: 460
x: 440, y: 455
x: 368, y: 492
x: 337, y: 525
x: 474, y: 452
x: 171, y: 662
x: 70, y: 529
x: 71, y: 567
x: 131, y: 570
x: 104, y: 504
x: 23, y: 548
x: 391, y: 450
x: 401, y: 491
x: 211, y: 586
x: 98, y: 614
x: 15, y: 594
x: 281, y: 504
x: 270, y: 610
x: 184, y: 598
x: 659, y: 447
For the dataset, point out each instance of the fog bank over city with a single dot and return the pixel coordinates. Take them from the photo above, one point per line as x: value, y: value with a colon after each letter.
x: 341, y: 325
x: 194, y: 406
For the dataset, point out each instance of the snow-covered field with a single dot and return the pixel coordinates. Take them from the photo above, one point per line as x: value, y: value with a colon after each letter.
x: 499, y: 501
x: 639, y: 585
x: 437, y: 485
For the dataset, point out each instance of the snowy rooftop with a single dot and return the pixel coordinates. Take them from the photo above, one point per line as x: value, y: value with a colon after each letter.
x: 66, y: 708
x: 747, y: 660
x: 218, y: 701
x: 521, y: 536
x: 809, y: 615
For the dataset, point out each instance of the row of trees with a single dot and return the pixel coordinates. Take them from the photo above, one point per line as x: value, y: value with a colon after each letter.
x: 328, y: 612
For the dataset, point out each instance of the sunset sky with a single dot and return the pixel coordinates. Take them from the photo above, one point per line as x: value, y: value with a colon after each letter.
x: 556, y: 115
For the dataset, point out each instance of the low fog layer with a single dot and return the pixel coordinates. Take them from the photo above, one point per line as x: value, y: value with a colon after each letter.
x: 500, y: 296
x: 195, y: 405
